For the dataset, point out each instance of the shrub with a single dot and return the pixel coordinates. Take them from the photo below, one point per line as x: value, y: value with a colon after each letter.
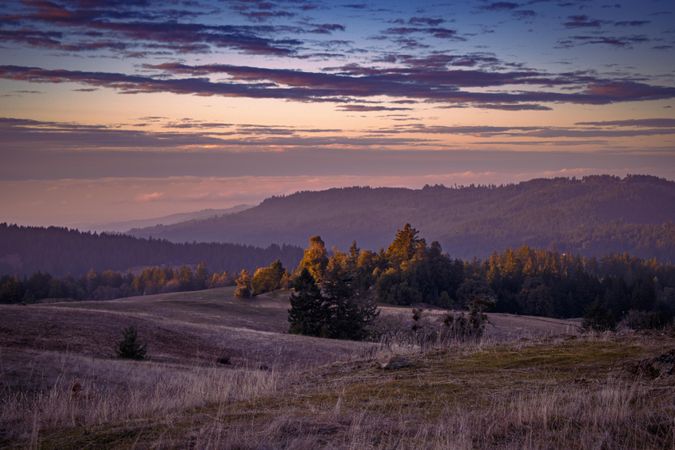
x: 459, y: 325
x: 462, y: 326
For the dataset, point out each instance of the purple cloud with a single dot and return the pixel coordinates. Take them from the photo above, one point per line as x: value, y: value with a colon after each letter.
x: 120, y: 26
x: 614, y: 41
x: 432, y: 86
x: 500, y: 6
x: 582, y: 21
x: 437, y: 32
x: 631, y: 23
x: 654, y: 123
x: 370, y: 108
x: 426, y: 21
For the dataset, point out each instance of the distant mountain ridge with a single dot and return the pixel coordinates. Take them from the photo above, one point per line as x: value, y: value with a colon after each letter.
x: 594, y: 215
x: 126, y: 225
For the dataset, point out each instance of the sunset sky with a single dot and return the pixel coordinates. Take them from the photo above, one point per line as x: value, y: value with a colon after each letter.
x: 115, y: 110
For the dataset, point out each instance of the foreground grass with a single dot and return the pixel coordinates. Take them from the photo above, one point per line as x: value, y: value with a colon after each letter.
x: 573, y: 394
x: 143, y: 390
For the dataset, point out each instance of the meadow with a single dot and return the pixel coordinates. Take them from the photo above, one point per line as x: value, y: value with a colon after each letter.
x: 223, y: 372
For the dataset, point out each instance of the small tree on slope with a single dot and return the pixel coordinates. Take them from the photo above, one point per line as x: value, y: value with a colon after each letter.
x: 130, y: 347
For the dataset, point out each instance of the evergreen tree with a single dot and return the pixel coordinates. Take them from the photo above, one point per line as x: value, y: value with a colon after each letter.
x: 130, y: 347
x: 350, y: 314
x: 404, y: 246
x: 332, y: 310
x: 309, y: 313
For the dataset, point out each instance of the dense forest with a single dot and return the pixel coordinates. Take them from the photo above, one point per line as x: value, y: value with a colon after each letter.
x: 592, y: 216
x: 60, y: 252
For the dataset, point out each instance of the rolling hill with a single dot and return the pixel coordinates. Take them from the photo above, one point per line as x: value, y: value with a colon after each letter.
x: 594, y: 215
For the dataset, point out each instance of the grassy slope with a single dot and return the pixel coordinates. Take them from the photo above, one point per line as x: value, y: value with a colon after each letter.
x: 567, y: 392
x: 199, y: 327
x: 186, y: 328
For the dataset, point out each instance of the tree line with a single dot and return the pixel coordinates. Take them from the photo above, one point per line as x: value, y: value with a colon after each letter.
x: 109, y: 284
x: 604, y: 290
x: 334, y: 292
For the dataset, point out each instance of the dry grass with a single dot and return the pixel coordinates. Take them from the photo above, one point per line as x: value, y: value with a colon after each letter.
x: 530, y: 383
x: 560, y: 395
x: 572, y: 394
x: 180, y: 328
x: 616, y: 416
x: 107, y: 391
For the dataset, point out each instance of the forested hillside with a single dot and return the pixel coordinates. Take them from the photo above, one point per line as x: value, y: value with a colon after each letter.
x: 594, y: 215
x: 60, y: 251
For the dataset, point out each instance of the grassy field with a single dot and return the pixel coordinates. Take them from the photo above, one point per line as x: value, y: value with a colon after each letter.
x: 530, y: 383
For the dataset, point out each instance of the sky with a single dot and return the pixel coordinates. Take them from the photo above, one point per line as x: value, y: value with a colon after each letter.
x: 129, y: 109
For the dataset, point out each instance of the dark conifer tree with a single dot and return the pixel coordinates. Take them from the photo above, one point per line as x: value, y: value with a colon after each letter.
x: 350, y: 313
x: 130, y: 347
x: 309, y: 313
